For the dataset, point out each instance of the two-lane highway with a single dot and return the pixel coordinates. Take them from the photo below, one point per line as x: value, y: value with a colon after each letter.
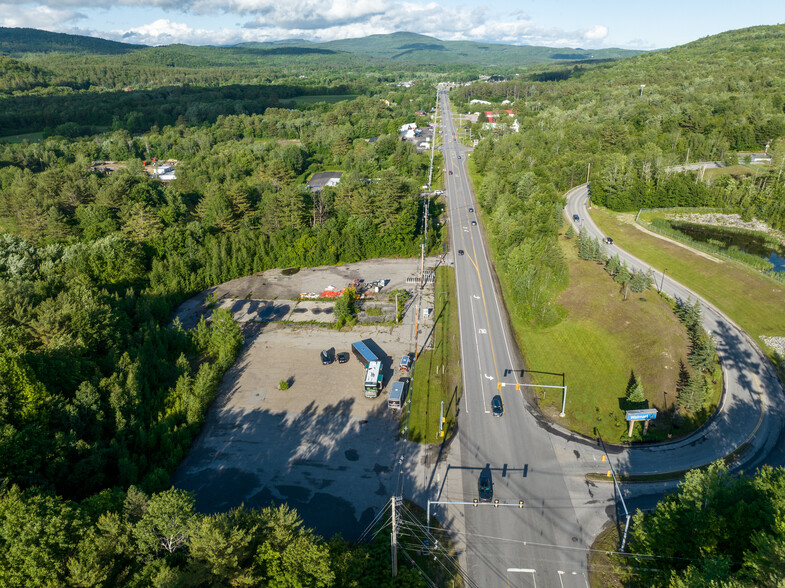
x: 540, y: 544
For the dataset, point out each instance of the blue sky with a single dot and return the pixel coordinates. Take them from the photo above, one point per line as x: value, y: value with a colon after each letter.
x: 632, y: 24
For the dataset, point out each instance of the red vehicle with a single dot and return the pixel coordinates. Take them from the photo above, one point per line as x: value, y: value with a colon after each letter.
x: 450, y: 173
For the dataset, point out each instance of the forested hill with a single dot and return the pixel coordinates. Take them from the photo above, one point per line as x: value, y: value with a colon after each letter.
x: 416, y: 48
x: 411, y: 48
x: 17, y: 41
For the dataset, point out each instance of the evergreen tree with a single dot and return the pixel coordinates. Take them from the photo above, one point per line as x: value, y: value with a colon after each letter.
x: 613, y: 265
x: 693, y: 396
x: 649, y: 278
x: 570, y: 232
x: 634, y: 393
x: 702, y: 355
x: 638, y: 283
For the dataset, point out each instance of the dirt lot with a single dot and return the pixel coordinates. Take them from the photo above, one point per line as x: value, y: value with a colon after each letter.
x: 274, y: 296
x: 321, y: 445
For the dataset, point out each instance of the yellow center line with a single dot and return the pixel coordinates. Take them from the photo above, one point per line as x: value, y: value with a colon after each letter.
x: 484, y: 305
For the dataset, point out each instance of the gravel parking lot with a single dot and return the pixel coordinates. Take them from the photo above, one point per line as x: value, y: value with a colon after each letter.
x: 320, y: 445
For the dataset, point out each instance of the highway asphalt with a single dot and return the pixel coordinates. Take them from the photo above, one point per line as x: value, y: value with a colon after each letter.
x: 542, y: 543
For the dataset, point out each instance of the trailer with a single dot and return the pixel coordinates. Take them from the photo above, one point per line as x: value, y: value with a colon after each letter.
x: 363, y: 353
x: 397, y: 394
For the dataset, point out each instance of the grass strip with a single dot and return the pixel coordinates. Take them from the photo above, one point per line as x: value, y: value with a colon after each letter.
x: 752, y: 300
x: 436, y: 376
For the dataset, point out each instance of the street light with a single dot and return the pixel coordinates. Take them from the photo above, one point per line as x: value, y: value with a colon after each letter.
x: 642, y: 87
x: 662, y: 281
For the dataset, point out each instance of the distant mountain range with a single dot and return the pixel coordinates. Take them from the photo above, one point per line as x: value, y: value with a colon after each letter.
x: 401, y: 47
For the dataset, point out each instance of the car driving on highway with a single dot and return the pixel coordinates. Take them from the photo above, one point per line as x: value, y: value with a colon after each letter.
x: 576, y: 218
x: 485, y: 485
x: 497, y: 406
x: 460, y: 251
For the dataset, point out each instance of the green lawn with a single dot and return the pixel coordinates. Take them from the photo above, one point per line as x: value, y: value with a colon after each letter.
x: 32, y: 137
x: 329, y: 98
x: 604, y: 568
x: 752, y: 300
x: 732, y: 170
x: 602, y: 340
x: 429, y: 389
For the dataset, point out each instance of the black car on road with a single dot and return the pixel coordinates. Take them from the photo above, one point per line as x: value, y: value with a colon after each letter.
x: 485, y: 485
x: 576, y: 218
x: 608, y: 241
x: 460, y: 251
x: 497, y: 406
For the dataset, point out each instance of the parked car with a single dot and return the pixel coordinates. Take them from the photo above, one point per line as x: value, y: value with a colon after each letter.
x: 327, y: 359
x: 460, y: 251
x: 576, y: 218
x: 485, y: 485
x: 608, y: 241
x: 342, y: 357
x: 497, y: 406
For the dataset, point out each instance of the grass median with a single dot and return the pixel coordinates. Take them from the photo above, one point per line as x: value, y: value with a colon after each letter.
x: 755, y: 302
x: 437, y: 371
x: 600, y: 343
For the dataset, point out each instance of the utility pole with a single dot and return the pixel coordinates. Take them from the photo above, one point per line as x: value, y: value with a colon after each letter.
x: 588, y: 171
x: 394, y: 540
x: 396, y: 309
x: 422, y: 265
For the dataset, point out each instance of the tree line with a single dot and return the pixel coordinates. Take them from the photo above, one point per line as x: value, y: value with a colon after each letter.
x: 97, y: 391
x: 132, y: 539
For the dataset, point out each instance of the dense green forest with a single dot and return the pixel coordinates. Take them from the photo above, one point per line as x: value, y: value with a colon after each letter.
x: 703, y: 101
x: 718, y: 529
x: 96, y: 391
x: 131, y: 539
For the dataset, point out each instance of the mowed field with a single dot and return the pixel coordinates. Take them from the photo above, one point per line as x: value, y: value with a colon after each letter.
x: 329, y: 98
x: 600, y: 343
x: 756, y: 303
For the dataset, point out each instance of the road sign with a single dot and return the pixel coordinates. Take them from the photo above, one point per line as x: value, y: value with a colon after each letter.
x: 643, y: 414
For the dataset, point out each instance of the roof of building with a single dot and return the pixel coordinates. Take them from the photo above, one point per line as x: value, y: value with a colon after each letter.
x: 320, y: 180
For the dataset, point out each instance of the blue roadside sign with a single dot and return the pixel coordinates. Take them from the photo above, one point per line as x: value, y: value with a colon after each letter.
x: 643, y: 414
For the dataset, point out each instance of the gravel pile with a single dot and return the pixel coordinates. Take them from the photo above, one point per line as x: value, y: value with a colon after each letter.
x: 776, y: 343
x: 730, y: 220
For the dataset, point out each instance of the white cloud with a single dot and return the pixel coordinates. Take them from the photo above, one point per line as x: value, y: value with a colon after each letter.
x: 315, y: 20
x: 596, y: 33
x: 39, y: 17
x: 167, y: 32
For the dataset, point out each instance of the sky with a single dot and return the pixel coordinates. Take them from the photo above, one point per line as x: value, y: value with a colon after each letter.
x: 630, y: 24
